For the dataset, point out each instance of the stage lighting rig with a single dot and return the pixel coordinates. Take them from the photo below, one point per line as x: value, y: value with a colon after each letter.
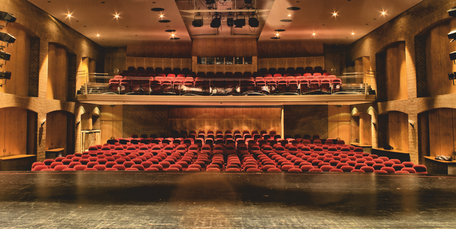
x: 198, y: 22
x: 230, y: 20
x: 239, y: 22
x: 253, y: 20
x: 6, y: 37
x: 5, y: 16
x: 216, y: 20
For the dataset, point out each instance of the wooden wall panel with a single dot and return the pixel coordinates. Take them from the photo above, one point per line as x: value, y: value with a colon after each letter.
x: 165, y: 49
x: 438, y: 63
x: 159, y: 62
x: 18, y: 65
x: 423, y: 136
x: 441, y: 132
x: 398, y: 131
x: 13, y: 131
x: 224, y: 118
x: 339, y: 119
x: 208, y: 47
x: 274, y: 49
x: 365, y: 129
x: 111, y: 122
x: 57, y: 73
x: 396, y: 73
x: 56, y: 130
x: 434, y: 133
x: 291, y: 62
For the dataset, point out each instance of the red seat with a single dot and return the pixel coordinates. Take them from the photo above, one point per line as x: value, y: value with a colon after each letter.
x: 389, y: 169
x: 420, y: 169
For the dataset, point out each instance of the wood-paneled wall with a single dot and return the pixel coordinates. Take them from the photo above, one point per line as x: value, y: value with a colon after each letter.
x: 395, y: 72
x: 442, y: 132
x: 225, y: 118
x: 438, y: 64
x: 111, y: 122
x: 57, y: 73
x: 165, y: 49
x: 311, y: 119
x: 365, y: 129
x: 224, y: 47
x: 277, y: 49
x: 57, y: 132
x: 224, y: 68
x: 339, y: 118
x: 291, y: 62
x: 159, y: 62
x: 398, y: 131
x: 18, y: 65
x: 13, y: 131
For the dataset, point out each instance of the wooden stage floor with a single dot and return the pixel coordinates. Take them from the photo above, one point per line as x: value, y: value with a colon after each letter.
x: 225, y: 200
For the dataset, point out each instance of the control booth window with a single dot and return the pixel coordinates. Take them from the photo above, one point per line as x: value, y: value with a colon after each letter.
x: 201, y: 60
x: 219, y: 60
x: 229, y: 60
x: 238, y: 60
x: 210, y: 60
x: 248, y: 60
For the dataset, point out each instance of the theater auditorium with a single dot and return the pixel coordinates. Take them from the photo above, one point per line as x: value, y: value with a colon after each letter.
x: 227, y: 113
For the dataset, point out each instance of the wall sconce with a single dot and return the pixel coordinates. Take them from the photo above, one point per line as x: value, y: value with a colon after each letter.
x: 412, y: 123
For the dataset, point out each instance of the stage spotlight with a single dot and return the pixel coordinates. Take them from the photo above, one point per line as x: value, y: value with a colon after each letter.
x: 210, y: 2
x: 452, y: 35
x: 4, y: 55
x: 198, y: 22
x: 248, y: 1
x: 253, y: 21
x: 5, y: 75
x: 6, y: 37
x: 230, y: 20
x: 453, y: 56
x: 216, y: 21
x: 239, y: 22
x: 452, y: 12
x: 5, y: 16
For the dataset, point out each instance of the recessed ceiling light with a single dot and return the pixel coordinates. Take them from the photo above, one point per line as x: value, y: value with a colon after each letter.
x: 334, y: 14
x: 289, y: 15
x: 313, y: 34
x: 294, y: 8
x: 157, y: 9
x: 170, y: 30
x: 98, y: 35
x: 117, y: 16
x: 164, y: 21
x: 353, y: 34
x: 161, y: 16
x: 383, y: 13
x: 69, y: 15
x: 174, y: 38
x: 285, y: 20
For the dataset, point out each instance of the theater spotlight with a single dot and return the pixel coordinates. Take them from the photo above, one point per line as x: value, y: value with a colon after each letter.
x: 216, y: 20
x: 230, y: 20
x: 239, y: 22
x: 5, y: 75
x: 453, y: 56
x: 452, y: 12
x: 6, y: 37
x: 198, y: 22
x: 210, y: 2
x: 452, y: 35
x: 452, y: 76
x: 248, y: 1
x: 4, y: 55
x: 253, y: 20
x: 5, y: 16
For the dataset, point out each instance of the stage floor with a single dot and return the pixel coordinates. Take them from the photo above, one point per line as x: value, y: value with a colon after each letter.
x: 225, y: 200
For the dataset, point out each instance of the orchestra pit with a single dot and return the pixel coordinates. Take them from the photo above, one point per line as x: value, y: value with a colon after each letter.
x: 227, y: 114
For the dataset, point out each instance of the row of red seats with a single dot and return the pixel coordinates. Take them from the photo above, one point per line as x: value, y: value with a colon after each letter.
x: 267, y: 158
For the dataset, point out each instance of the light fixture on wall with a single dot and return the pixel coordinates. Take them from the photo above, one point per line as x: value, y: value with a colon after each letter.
x: 5, y: 16
x: 6, y: 37
x: 216, y: 20
x: 412, y: 123
x: 253, y: 20
x: 5, y: 75
x: 452, y: 12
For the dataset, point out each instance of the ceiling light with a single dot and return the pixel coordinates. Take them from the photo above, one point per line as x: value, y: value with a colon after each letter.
x: 334, y: 14
x: 313, y: 34
x: 98, y: 35
x: 68, y: 15
x: 116, y: 16
x: 289, y: 15
x: 383, y: 13
x: 161, y: 16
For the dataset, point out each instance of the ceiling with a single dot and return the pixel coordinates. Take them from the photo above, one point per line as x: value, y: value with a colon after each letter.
x: 137, y: 23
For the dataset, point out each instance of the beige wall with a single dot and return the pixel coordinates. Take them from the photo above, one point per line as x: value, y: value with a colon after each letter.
x: 13, y: 131
x: 339, y: 122
x: 291, y: 62
x: 57, y: 73
x: 111, y: 122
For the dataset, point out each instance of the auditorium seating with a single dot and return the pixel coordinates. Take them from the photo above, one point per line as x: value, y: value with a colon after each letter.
x: 299, y: 81
x: 247, y: 154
